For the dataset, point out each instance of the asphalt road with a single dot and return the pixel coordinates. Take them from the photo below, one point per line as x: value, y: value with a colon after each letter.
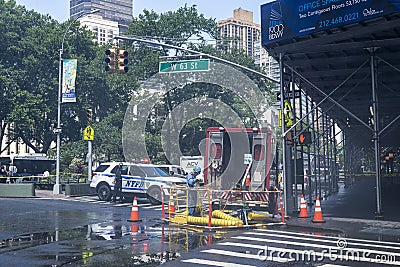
x: 75, y: 231
x: 82, y: 231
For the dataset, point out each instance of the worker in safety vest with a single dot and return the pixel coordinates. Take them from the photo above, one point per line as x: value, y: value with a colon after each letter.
x: 191, y: 181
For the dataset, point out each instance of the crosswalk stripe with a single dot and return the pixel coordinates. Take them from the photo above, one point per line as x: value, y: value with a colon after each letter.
x: 321, y: 239
x: 145, y: 204
x: 151, y: 207
x: 240, y: 255
x: 307, y: 253
x: 353, y: 250
x: 329, y: 237
x: 216, y: 263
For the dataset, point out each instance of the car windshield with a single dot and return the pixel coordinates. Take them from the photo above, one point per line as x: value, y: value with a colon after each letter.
x: 153, y: 171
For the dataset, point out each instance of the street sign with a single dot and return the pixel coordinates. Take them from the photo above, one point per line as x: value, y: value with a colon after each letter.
x: 88, y: 134
x: 184, y: 66
x: 288, y: 95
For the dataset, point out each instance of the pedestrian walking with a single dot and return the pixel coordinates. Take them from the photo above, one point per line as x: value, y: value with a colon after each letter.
x: 191, y: 181
x: 13, y: 172
x: 3, y: 174
x: 272, y: 197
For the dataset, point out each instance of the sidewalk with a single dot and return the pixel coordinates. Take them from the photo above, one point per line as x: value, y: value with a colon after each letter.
x: 43, y: 193
x: 349, y: 227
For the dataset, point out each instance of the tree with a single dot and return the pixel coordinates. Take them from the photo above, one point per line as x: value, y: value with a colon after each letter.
x: 178, y: 28
x: 29, y: 79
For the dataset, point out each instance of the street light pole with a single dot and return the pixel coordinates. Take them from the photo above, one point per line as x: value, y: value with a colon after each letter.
x: 57, y: 189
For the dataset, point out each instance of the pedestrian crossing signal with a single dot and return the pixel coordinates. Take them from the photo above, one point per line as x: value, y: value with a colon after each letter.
x: 305, y: 138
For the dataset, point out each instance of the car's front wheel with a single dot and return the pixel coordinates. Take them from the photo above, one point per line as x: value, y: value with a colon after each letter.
x: 154, y: 195
x: 104, y: 192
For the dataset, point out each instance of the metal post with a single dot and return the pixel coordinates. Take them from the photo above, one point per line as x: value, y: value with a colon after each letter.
x: 284, y: 175
x: 376, y: 133
x: 57, y: 189
x: 293, y: 89
x: 336, y: 169
x: 301, y: 147
x: 309, y: 179
x: 90, y: 161
x: 324, y: 152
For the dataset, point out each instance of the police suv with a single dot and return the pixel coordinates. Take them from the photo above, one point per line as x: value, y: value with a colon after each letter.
x: 141, y: 180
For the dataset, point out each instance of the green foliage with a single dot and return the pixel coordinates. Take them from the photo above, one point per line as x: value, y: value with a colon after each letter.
x: 29, y: 68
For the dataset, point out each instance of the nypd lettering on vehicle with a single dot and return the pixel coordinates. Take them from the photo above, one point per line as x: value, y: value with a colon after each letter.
x: 134, y: 182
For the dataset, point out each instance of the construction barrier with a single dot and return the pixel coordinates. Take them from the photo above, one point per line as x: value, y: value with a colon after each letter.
x: 210, y: 210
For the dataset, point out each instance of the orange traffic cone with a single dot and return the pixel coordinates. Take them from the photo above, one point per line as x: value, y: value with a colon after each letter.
x: 318, y: 212
x: 171, y: 205
x: 303, y: 208
x: 135, y: 212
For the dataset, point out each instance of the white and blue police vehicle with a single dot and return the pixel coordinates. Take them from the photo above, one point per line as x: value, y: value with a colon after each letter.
x: 140, y: 180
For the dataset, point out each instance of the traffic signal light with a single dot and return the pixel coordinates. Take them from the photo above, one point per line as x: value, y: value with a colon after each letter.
x: 122, y: 61
x: 110, y: 60
x: 89, y: 114
x: 305, y: 138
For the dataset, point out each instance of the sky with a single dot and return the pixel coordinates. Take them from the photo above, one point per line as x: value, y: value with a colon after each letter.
x: 218, y: 9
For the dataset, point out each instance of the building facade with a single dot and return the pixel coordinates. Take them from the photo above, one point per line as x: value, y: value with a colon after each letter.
x: 240, y: 32
x: 120, y: 11
x: 104, y: 30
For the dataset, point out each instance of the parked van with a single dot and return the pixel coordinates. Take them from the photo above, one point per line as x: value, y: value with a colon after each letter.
x: 176, y: 170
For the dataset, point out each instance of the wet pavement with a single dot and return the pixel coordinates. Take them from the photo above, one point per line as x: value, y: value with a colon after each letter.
x: 56, y: 230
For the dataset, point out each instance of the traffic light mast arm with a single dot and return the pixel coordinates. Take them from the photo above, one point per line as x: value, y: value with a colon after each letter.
x: 197, y: 53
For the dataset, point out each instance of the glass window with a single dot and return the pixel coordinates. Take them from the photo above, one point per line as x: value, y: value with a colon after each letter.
x: 136, y: 171
x: 153, y: 171
x: 258, y: 153
x: 102, y: 168
x: 124, y: 169
x: 216, y: 151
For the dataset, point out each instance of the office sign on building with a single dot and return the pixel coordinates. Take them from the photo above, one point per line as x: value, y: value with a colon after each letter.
x: 285, y: 19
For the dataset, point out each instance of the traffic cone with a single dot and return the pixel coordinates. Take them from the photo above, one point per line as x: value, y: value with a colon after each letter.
x: 303, y: 208
x: 135, y: 212
x: 318, y: 212
x: 171, y: 205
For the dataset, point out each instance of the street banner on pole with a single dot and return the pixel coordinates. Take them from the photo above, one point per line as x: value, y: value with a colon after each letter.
x: 68, y: 81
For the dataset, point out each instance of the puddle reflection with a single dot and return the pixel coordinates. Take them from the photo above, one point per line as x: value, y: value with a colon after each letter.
x: 109, y: 243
